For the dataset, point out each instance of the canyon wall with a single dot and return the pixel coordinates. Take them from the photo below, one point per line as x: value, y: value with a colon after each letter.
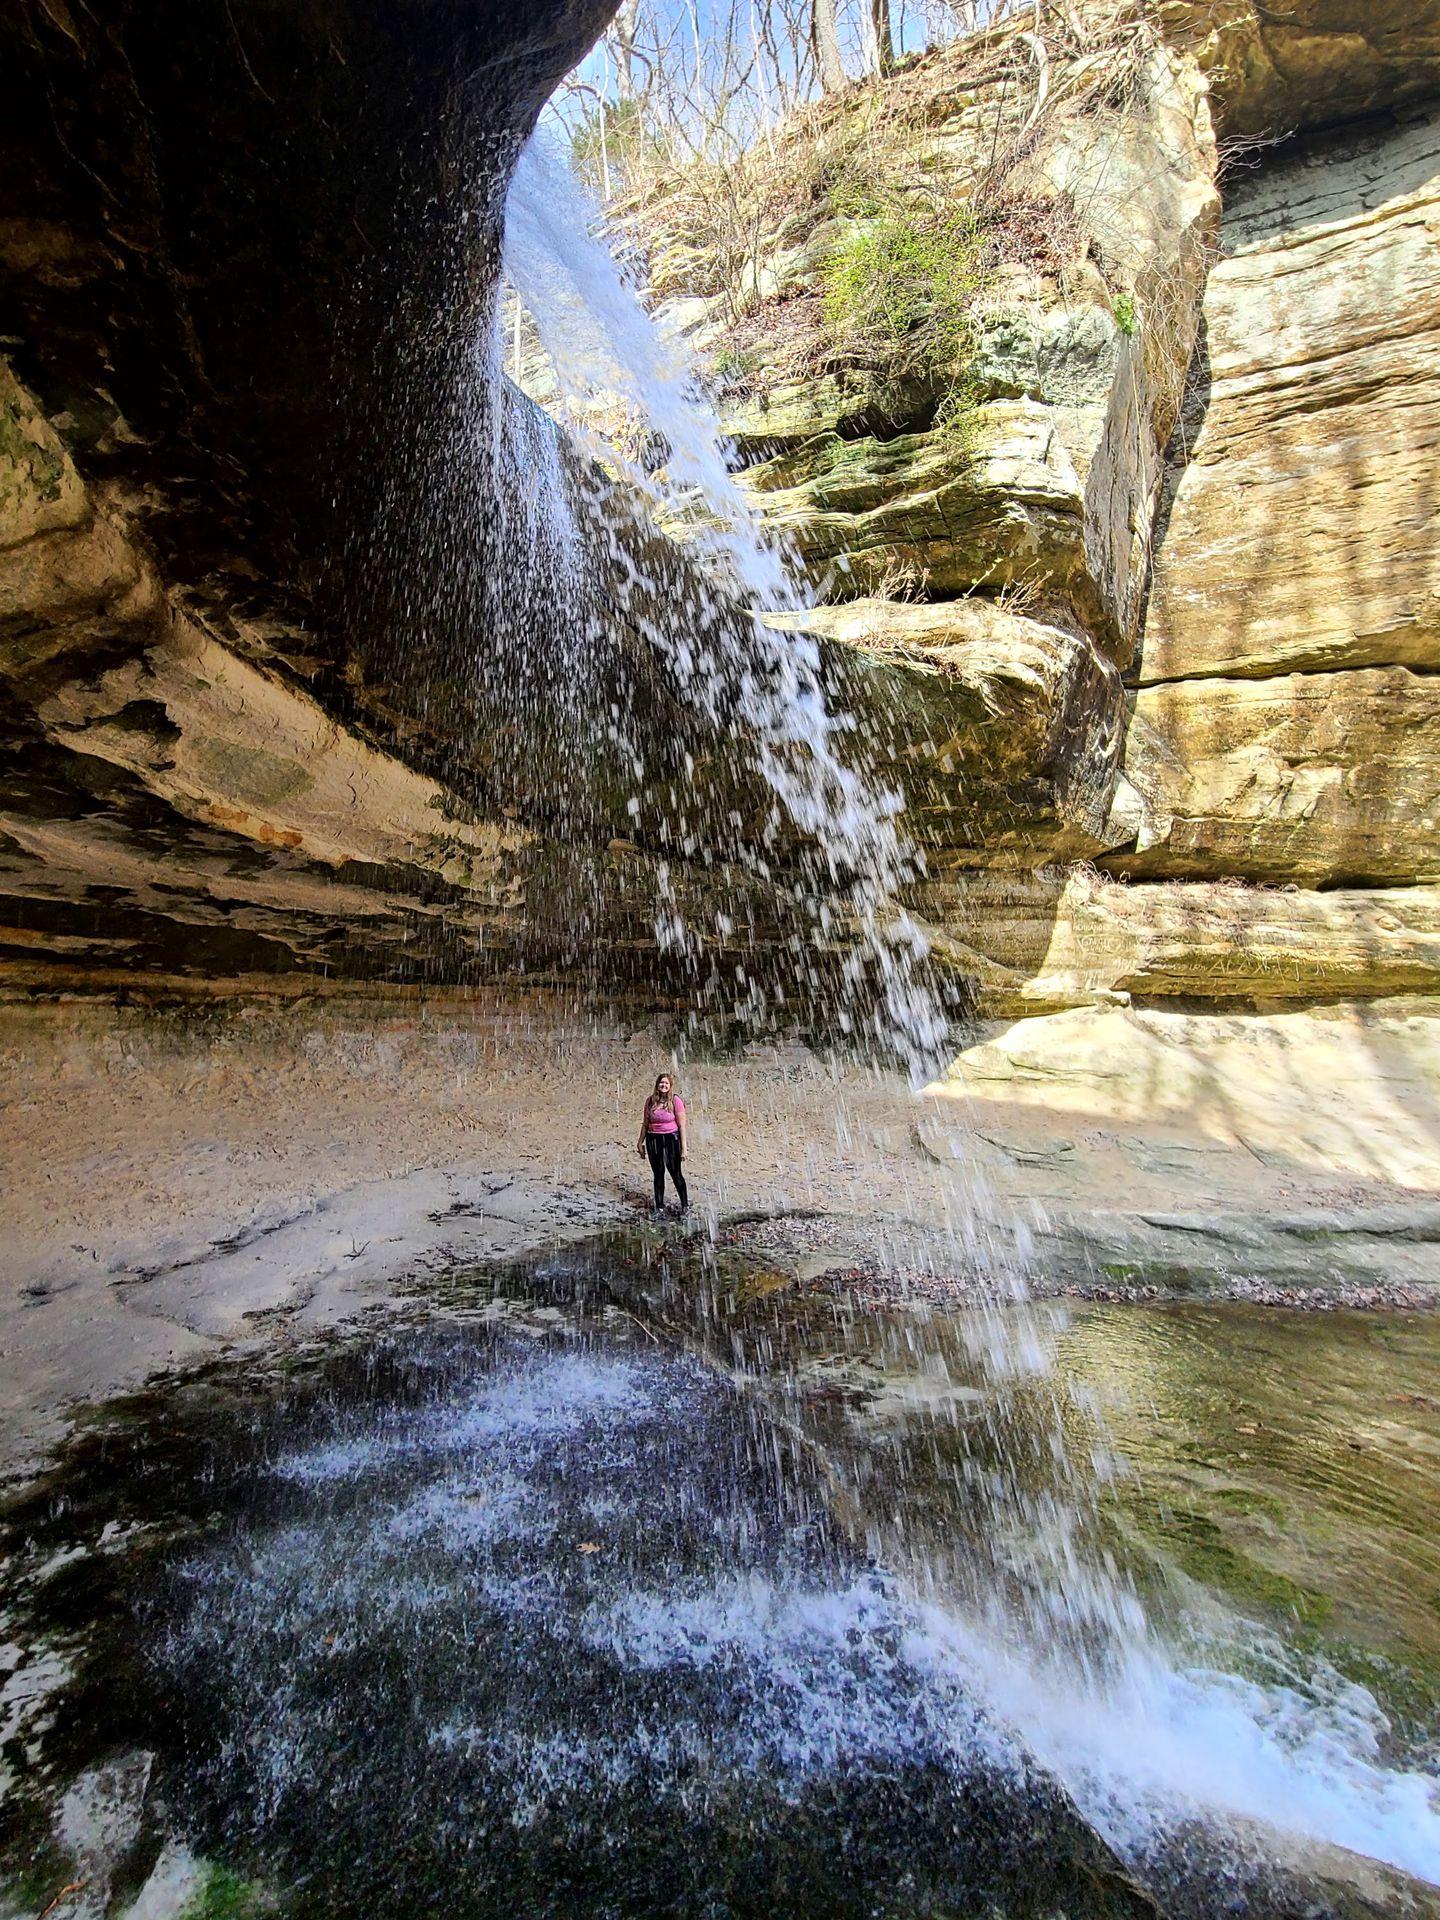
x: 259, y: 596
x: 1169, y: 608
x: 1152, y: 640
x: 1140, y: 615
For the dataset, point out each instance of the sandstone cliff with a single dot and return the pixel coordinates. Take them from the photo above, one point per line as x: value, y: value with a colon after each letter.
x: 1137, y: 573
x: 1169, y: 605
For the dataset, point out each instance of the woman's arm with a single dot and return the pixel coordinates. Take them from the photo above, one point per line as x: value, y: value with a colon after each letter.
x: 680, y: 1124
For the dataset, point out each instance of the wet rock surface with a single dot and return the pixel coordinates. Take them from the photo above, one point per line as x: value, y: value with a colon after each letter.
x: 620, y: 1555
x: 495, y: 1609
x: 1004, y: 733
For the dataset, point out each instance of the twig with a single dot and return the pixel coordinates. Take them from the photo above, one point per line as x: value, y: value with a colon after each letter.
x: 649, y: 1333
x: 75, y: 1886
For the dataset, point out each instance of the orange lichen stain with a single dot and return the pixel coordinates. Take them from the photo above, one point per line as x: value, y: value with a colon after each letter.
x: 237, y: 820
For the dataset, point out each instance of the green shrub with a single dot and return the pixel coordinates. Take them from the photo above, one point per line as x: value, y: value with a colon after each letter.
x: 850, y: 199
x: 906, y: 283
x: 1125, y: 314
x: 905, y: 287
x: 225, y: 1896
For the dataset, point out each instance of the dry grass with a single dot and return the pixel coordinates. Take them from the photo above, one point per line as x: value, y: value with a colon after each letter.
x: 903, y: 581
x: 751, y: 234
x: 786, y: 336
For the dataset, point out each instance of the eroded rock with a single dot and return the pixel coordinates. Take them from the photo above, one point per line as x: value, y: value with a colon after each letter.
x: 1325, y: 779
x: 1301, y: 532
x: 1044, y: 941
x: 1053, y: 477
x: 1003, y: 732
x: 1313, y: 62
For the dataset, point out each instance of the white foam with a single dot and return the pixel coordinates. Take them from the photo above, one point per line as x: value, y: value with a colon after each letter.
x: 815, y: 1674
x: 1159, y: 1742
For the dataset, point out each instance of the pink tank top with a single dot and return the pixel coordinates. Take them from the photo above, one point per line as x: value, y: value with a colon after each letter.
x: 666, y: 1119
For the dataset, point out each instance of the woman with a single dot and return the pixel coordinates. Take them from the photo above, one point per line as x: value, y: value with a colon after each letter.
x: 662, y: 1137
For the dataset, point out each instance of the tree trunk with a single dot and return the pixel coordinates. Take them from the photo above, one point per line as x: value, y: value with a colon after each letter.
x: 882, y: 35
x: 826, y: 36
x: 627, y: 20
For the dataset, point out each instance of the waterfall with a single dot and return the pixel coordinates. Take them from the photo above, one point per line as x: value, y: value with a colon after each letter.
x: 624, y: 1580
x: 1061, y: 1647
x: 759, y: 689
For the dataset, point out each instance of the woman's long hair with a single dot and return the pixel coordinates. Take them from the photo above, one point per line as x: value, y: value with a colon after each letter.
x: 655, y: 1100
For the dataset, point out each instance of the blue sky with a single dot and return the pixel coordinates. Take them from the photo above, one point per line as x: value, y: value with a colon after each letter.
x: 911, y: 27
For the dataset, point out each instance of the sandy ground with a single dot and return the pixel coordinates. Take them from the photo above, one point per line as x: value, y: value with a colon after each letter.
x: 176, y: 1183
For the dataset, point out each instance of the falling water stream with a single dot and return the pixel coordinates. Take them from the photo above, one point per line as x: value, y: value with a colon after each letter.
x: 759, y: 690
x: 621, y: 1584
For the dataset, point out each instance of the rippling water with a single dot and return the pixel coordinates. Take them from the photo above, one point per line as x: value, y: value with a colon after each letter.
x: 536, y: 1611
x: 579, y: 1628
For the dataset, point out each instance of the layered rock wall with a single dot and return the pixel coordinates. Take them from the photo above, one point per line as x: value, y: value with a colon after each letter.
x: 1165, y: 601
x: 1217, y: 681
x: 1286, y: 723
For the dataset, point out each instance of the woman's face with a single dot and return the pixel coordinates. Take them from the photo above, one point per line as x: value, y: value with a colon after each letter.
x: 662, y: 1086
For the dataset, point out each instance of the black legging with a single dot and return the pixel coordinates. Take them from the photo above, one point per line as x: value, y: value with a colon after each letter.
x: 664, y: 1152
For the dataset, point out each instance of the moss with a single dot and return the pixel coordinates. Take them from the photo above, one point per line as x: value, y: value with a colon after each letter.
x: 957, y: 419
x: 1124, y: 1272
x: 1125, y: 315
x: 1407, y: 1689
x: 42, y: 468
x: 36, y: 1887
x: 732, y: 366
x: 251, y: 775
x: 224, y: 1895
x: 1200, y: 1549
x: 1247, y: 1500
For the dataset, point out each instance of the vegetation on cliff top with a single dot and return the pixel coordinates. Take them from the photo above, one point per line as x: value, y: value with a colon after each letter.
x: 871, y: 227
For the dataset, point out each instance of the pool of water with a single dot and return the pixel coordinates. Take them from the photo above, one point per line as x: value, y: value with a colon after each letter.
x: 618, y: 1587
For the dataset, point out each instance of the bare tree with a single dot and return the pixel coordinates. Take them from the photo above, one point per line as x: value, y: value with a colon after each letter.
x: 882, y: 36
x: 676, y: 81
x: 825, y: 37
x: 623, y: 32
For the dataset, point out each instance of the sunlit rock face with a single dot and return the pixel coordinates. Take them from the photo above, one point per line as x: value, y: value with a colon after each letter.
x: 1042, y: 942
x: 1312, y: 63
x: 1298, y: 536
x: 1286, y: 723
x: 1052, y: 484
x: 1269, y: 603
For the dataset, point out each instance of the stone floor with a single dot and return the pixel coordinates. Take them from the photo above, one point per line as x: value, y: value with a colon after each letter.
x: 178, y: 1182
